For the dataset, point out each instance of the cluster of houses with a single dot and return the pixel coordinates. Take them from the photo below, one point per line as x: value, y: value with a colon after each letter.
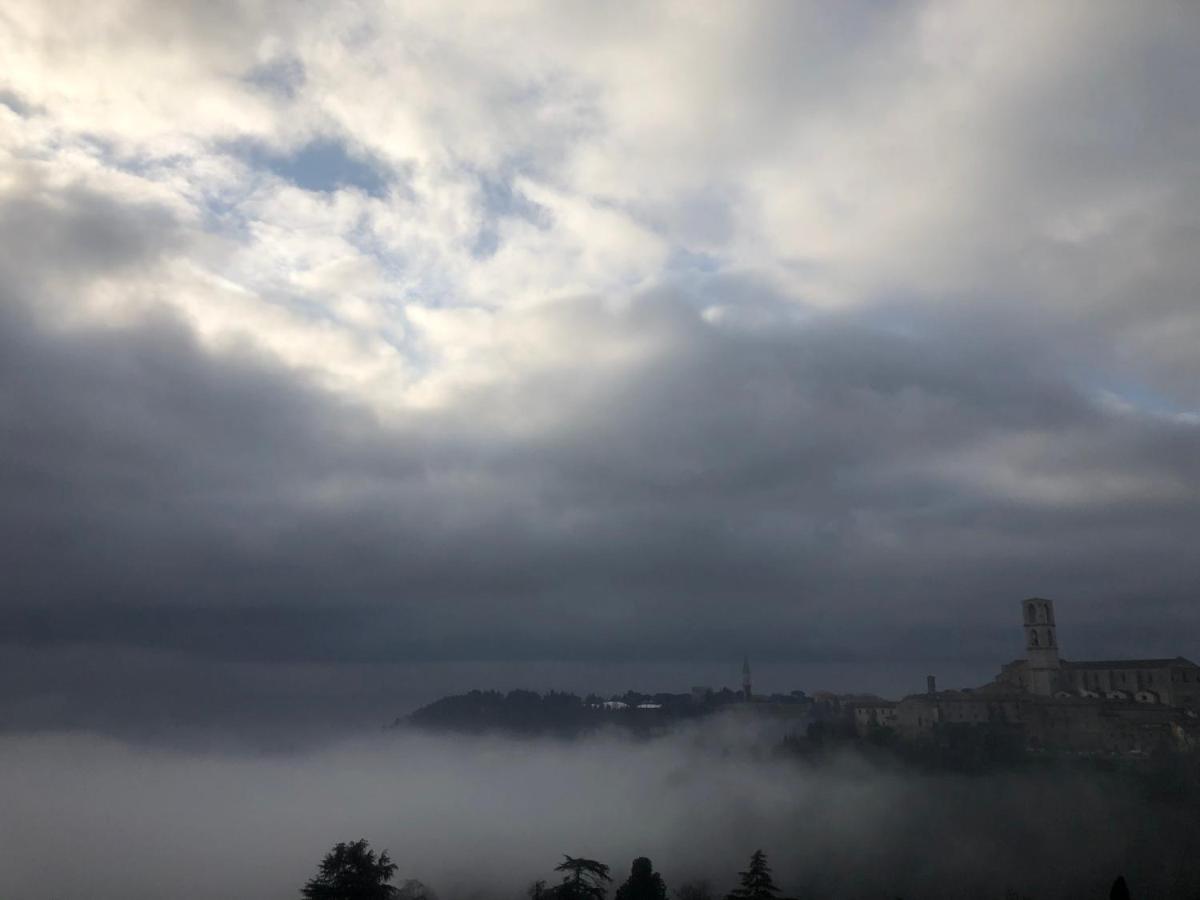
x: 613, y: 705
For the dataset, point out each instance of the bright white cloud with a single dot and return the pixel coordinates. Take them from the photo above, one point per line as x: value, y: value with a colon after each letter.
x: 842, y: 156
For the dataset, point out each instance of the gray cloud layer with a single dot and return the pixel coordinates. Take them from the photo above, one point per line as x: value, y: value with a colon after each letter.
x: 656, y: 454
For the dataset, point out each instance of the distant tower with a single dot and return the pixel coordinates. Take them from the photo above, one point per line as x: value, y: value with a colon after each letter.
x: 1041, y: 646
x: 746, y: 676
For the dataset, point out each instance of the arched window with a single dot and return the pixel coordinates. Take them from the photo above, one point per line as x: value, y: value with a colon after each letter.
x: 1032, y: 613
x: 1033, y: 638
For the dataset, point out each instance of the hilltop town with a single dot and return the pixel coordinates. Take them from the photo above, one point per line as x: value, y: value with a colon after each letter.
x: 1042, y: 701
x: 1123, y: 706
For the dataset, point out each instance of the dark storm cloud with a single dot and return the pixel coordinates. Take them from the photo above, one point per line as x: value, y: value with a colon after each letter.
x: 813, y: 487
x: 52, y: 232
x: 164, y: 496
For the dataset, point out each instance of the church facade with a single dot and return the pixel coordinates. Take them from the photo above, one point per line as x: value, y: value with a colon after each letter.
x: 1172, y: 682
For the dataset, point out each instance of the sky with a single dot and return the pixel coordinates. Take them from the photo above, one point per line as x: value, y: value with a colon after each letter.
x: 355, y: 352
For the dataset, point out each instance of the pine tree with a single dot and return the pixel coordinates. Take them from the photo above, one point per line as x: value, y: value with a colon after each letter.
x: 352, y: 872
x: 583, y: 879
x: 643, y: 883
x: 756, y: 882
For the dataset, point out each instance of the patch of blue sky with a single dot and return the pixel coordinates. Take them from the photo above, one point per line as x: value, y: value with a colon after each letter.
x: 143, y: 165
x: 322, y: 165
x: 221, y: 213
x: 152, y: 167
x: 428, y: 287
x: 501, y: 201
x: 394, y: 264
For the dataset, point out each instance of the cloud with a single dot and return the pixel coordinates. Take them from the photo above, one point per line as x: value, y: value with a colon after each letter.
x: 215, y: 505
x: 283, y: 76
x: 532, y: 334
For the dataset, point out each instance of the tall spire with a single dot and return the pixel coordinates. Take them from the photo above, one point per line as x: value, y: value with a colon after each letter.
x: 746, y: 676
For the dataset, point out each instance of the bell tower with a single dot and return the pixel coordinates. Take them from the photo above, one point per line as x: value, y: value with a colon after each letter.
x: 746, y: 677
x: 1041, y: 646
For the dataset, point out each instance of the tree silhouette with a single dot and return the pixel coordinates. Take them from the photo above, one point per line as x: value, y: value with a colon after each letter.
x: 583, y: 879
x: 352, y: 872
x: 1119, y: 890
x: 756, y: 883
x: 643, y: 883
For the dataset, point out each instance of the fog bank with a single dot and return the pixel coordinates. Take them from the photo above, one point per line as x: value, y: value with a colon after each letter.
x: 91, y: 817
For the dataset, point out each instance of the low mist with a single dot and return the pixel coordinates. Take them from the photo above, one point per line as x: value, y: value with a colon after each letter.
x: 85, y: 816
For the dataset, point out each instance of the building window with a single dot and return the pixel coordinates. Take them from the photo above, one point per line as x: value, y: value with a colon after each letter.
x: 1033, y: 638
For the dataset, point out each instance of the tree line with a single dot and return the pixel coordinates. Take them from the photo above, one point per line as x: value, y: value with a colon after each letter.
x: 568, y: 715
x: 352, y: 871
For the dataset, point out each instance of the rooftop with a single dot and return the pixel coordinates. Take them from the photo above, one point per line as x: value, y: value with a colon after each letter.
x: 1129, y: 663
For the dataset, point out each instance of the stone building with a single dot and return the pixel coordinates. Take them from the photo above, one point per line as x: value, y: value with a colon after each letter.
x: 876, y: 713
x: 1170, y: 682
x: 1116, y: 706
x: 919, y: 715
